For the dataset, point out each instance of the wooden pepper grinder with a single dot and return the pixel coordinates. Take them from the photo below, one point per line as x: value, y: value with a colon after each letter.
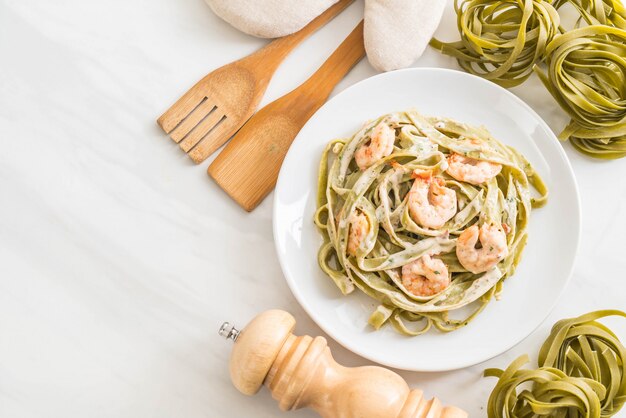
x: 301, y: 372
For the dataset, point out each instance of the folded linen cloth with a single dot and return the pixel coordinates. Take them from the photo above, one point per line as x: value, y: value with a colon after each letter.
x: 397, y: 31
x: 269, y: 18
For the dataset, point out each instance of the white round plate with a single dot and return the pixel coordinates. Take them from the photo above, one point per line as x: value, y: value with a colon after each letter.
x: 528, y: 296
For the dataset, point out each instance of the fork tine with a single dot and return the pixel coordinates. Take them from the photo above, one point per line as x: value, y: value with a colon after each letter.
x: 194, y: 118
x: 213, y: 140
x: 179, y: 110
x: 202, y: 129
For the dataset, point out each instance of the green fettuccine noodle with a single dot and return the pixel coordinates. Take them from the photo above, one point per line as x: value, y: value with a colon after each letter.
x: 605, y: 12
x: 393, y: 239
x: 501, y: 40
x: 586, y: 75
x: 581, y: 374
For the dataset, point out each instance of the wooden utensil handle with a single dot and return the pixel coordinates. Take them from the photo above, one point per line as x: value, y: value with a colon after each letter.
x: 277, y: 50
x: 334, y: 69
x: 301, y: 373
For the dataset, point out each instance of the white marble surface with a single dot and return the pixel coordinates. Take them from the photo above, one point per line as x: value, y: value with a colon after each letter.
x: 119, y: 258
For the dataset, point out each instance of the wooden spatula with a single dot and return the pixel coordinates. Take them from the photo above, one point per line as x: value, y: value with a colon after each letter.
x: 205, y: 117
x: 248, y: 167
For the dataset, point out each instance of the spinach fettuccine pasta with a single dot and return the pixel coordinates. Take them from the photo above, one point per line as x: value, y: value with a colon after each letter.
x: 426, y: 215
x: 583, y: 65
x: 586, y: 75
x: 501, y: 40
x: 581, y: 374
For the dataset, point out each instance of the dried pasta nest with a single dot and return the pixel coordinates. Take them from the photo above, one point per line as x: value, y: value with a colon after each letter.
x: 581, y: 374
x: 501, y: 40
x: 605, y: 12
x: 585, y: 68
x: 586, y: 75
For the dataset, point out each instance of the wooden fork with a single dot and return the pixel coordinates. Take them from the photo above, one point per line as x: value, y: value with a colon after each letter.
x: 216, y: 107
x: 248, y: 167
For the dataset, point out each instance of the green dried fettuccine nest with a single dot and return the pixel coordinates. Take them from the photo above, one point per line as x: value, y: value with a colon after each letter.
x: 605, y: 12
x: 581, y: 374
x: 586, y: 75
x: 501, y: 40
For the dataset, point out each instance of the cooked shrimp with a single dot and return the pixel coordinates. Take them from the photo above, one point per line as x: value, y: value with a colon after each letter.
x: 492, y: 249
x: 471, y: 170
x: 431, y: 203
x: 379, y: 146
x: 425, y: 276
x: 359, y: 227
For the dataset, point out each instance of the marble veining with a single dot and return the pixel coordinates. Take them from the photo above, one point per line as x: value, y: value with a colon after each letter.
x: 120, y: 258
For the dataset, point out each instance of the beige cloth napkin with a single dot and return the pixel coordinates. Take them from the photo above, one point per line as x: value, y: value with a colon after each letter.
x: 269, y: 18
x: 397, y: 31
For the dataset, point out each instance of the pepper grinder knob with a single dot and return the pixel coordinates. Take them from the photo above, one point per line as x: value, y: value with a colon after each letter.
x: 228, y: 331
x: 301, y: 372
